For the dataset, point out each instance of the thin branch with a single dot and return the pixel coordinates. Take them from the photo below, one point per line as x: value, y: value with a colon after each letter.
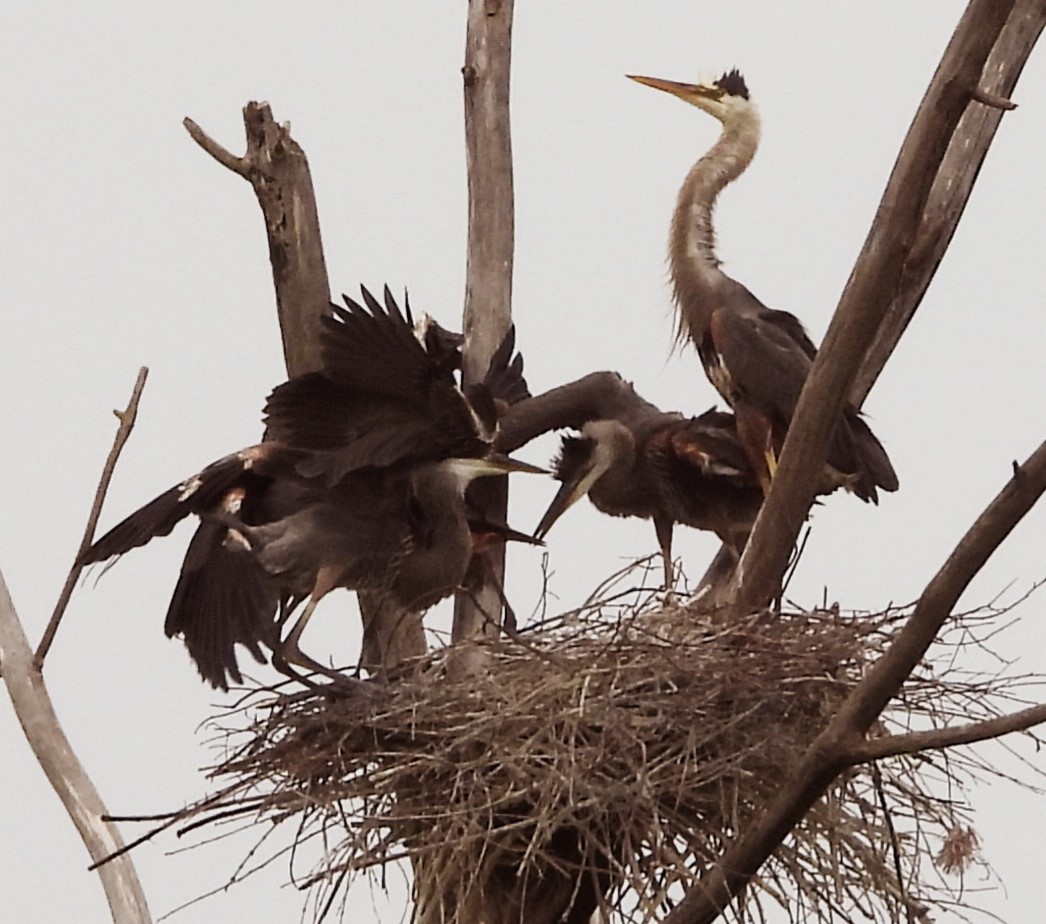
x: 940, y: 738
x: 32, y: 705
x: 876, y: 279
x: 127, y: 419
x: 224, y: 156
x: 827, y: 756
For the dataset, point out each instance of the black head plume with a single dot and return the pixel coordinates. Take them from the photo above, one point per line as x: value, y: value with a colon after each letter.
x: 733, y: 84
x: 574, y: 453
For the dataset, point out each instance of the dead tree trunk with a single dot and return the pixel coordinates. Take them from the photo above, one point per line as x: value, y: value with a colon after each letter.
x: 877, y: 281
x: 488, y: 282
x: 278, y: 170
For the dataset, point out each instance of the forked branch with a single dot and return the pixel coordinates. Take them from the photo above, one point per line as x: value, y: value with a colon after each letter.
x: 32, y: 704
x: 277, y: 169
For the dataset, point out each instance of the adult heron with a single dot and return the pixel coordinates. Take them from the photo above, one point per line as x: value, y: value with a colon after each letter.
x: 360, y: 486
x: 757, y: 358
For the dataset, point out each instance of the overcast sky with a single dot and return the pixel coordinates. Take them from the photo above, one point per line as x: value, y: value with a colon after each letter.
x: 124, y: 245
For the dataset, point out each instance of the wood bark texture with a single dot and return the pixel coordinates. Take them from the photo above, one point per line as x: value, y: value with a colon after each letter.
x: 842, y: 742
x: 488, y: 282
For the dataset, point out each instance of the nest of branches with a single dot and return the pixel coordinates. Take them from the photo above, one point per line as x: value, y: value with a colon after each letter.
x: 604, y: 760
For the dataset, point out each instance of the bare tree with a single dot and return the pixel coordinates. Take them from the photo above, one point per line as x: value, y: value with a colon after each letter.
x: 923, y: 202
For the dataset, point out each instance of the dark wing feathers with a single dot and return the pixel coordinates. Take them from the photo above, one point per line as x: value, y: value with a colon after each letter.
x: 768, y: 355
x: 765, y: 364
x: 202, y: 491
x: 221, y: 600
x: 873, y: 464
x: 710, y: 443
x: 380, y: 398
x: 504, y: 377
x: 375, y: 350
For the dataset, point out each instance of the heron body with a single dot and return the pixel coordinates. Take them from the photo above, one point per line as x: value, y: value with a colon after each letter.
x: 665, y: 468
x: 756, y: 357
x: 361, y: 486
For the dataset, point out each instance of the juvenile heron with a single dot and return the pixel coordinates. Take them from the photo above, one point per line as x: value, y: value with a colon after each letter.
x: 665, y: 468
x: 633, y: 459
x: 360, y: 486
x: 757, y: 358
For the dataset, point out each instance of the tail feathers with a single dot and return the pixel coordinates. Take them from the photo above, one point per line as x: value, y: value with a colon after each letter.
x: 221, y: 600
x: 157, y: 518
x: 871, y: 463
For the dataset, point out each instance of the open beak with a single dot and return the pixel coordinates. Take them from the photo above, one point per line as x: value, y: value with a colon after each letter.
x: 688, y: 92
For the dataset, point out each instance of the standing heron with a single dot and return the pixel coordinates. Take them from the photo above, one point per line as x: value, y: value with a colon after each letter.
x: 665, y: 468
x: 757, y: 358
x: 361, y: 486
x: 633, y: 459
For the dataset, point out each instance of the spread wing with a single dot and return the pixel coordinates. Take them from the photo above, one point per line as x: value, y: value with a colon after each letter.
x: 381, y: 398
x: 220, y: 483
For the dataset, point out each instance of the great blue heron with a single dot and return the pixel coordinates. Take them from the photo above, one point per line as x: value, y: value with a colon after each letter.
x: 361, y: 486
x: 661, y: 467
x: 758, y: 358
x: 636, y: 460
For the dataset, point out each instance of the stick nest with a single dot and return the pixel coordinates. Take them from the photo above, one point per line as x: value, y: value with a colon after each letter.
x: 604, y: 759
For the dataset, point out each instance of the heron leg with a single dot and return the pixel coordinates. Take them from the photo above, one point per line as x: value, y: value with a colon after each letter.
x: 663, y: 529
x: 289, y: 650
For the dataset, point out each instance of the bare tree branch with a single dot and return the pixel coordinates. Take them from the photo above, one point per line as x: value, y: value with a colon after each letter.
x: 127, y: 418
x: 954, y: 183
x: 32, y: 705
x: 488, y: 283
x: 22, y: 673
x: 831, y: 751
x: 875, y: 282
x: 939, y: 738
x: 277, y: 169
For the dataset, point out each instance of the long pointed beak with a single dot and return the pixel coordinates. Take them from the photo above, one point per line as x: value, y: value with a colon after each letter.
x: 689, y: 92
x: 570, y: 492
x: 498, y: 464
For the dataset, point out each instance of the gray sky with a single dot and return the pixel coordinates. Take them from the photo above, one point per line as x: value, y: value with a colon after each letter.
x: 124, y: 245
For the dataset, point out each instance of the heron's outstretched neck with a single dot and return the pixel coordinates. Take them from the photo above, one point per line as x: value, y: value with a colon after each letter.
x: 696, y: 275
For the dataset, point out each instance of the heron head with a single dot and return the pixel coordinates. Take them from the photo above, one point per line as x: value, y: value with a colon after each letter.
x: 582, y: 461
x: 725, y: 98
x: 463, y: 471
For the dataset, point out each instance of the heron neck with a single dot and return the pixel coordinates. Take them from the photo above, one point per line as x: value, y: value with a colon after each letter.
x: 696, y: 275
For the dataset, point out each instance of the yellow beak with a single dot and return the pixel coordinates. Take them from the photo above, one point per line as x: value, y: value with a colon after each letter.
x: 690, y: 92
